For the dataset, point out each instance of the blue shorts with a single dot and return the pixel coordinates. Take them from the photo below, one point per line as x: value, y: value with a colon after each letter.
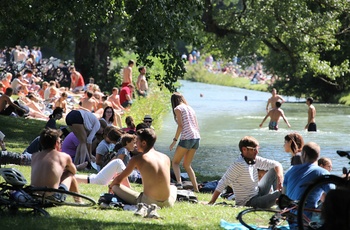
x: 74, y: 117
x: 189, y: 144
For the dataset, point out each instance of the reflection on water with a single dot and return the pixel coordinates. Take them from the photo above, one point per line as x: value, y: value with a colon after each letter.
x: 225, y: 117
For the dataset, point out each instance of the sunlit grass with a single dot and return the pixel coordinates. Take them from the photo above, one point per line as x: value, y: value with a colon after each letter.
x: 198, y: 73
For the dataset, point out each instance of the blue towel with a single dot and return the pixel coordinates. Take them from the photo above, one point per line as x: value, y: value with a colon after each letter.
x: 237, y: 226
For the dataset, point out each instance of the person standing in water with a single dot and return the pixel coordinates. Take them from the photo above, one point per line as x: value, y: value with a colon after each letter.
x: 311, y: 122
x: 273, y: 99
x: 275, y: 115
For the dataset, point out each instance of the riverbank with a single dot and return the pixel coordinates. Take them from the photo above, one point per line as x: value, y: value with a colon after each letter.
x: 197, y: 73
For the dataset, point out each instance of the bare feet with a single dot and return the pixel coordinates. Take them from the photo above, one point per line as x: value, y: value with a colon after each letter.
x: 82, y: 166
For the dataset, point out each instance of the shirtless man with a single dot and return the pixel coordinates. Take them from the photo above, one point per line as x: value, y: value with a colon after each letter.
x: 114, y: 99
x: 155, y: 172
x: 311, y: 123
x: 273, y: 99
x: 275, y: 115
x: 50, y: 167
x: 127, y: 73
x: 141, y: 84
x: 6, y: 104
x: 89, y: 103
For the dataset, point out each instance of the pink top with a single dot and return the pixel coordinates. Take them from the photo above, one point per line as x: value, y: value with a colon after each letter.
x: 190, y: 129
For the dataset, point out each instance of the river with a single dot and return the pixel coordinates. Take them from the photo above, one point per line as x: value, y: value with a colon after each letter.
x: 225, y: 117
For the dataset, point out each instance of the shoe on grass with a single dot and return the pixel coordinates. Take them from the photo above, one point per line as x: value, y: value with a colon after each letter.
x: 142, y: 210
x: 152, y: 212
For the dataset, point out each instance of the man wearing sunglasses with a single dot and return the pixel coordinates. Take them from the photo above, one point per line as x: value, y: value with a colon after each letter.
x: 243, y: 177
x: 147, y: 120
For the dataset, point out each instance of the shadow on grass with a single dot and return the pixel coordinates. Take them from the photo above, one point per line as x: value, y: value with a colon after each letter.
x: 24, y: 221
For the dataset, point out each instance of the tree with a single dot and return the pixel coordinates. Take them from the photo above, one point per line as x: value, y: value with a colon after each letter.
x: 303, y: 42
x: 99, y: 29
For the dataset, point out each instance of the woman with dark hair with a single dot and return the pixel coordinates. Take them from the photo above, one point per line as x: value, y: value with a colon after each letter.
x: 108, y: 117
x: 293, y: 143
x: 56, y: 115
x: 187, y: 127
x: 130, y: 125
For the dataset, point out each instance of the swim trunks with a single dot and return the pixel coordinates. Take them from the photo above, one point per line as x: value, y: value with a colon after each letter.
x: 273, y: 125
x: 312, y: 127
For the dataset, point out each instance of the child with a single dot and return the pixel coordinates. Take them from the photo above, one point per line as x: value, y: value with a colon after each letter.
x: 128, y: 145
x: 103, y: 151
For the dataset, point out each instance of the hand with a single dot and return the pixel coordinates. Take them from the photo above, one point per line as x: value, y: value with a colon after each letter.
x: 172, y: 145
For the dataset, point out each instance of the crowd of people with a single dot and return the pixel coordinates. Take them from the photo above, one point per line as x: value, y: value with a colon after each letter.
x: 121, y: 154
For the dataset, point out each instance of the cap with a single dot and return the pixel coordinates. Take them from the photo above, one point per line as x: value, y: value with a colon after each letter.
x: 147, y: 118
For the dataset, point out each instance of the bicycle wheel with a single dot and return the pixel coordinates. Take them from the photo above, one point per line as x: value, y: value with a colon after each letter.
x: 310, y: 218
x: 253, y: 218
x: 49, y: 197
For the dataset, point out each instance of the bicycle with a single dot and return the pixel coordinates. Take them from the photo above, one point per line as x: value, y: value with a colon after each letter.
x: 282, y: 218
x: 15, y: 195
x: 333, y: 180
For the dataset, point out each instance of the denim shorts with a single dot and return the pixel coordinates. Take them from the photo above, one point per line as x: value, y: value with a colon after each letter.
x: 189, y: 144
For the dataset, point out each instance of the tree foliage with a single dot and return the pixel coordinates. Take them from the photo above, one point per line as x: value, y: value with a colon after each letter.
x: 102, y: 29
x: 305, y: 43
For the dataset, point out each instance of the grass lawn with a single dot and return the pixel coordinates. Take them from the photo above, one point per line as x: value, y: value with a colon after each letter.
x: 20, y: 132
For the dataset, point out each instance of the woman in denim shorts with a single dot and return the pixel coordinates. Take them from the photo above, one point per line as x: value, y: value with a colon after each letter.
x: 188, y: 133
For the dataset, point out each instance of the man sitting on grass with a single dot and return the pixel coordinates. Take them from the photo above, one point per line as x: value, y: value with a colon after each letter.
x: 155, y: 172
x: 50, y: 167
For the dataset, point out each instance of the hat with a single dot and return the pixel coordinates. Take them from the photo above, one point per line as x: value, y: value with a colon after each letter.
x: 147, y: 118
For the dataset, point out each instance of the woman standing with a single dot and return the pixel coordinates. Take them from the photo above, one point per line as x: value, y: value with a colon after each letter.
x: 187, y: 127
x: 293, y: 143
x: 84, y: 125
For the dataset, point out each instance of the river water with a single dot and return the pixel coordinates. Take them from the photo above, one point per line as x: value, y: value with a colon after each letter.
x: 225, y: 117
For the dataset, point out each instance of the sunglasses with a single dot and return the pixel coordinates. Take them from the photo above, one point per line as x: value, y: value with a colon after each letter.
x: 253, y: 148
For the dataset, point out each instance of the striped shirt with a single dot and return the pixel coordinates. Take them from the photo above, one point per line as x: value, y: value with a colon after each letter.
x: 244, y: 179
x: 190, y: 129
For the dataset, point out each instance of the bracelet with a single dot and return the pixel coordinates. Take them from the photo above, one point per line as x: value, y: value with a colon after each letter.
x: 174, y: 139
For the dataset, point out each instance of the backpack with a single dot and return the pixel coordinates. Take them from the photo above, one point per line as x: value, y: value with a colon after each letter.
x: 186, y: 195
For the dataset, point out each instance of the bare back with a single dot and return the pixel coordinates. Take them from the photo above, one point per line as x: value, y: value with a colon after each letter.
x: 127, y: 75
x: 48, y: 167
x: 155, y: 171
x: 275, y: 114
x: 89, y: 104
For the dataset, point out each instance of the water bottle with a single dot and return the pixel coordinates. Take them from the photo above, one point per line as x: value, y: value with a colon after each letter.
x: 18, y: 196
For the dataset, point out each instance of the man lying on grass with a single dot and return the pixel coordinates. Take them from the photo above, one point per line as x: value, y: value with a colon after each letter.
x: 50, y: 167
x: 154, y: 167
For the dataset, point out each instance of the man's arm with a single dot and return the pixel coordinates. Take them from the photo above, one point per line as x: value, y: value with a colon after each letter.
x: 138, y: 83
x: 70, y: 166
x: 281, y: 99
x: 127, y: 171
x: 285, y: 119
x: 214, y: 197
x: 267, y: 115
x: 267, y: 105
x: 279, y: 173
x: 309, y: 117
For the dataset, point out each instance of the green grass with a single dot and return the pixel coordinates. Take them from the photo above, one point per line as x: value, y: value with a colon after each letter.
x: 20, y: 132
x: 198, y: 73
